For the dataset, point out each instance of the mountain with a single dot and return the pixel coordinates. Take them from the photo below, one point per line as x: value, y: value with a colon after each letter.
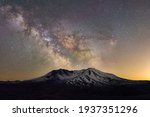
x: 85, y: 77
x: 78, y: 84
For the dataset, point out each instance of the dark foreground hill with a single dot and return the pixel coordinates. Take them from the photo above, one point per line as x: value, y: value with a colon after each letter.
x: 79, y: 84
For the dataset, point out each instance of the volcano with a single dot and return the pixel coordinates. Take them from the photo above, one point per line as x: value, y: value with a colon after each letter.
x: 78, y: 84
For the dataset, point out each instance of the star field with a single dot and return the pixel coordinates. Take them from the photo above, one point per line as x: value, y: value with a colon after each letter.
x: 37, y: 36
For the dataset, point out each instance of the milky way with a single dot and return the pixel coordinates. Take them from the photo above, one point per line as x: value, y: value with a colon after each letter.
x: 37, y: 36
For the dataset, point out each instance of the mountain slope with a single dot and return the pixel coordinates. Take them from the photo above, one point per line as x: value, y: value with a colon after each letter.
x: 87, y: 77
x: 78, y: 84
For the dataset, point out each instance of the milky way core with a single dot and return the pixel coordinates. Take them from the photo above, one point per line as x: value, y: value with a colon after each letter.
x: 37, y: 36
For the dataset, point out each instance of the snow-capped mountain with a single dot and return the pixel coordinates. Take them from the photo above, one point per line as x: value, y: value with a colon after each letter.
x: 85, y: 77
x: 78, y: 84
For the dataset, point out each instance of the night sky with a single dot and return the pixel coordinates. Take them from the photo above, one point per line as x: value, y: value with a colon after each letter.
x: 37, y: 36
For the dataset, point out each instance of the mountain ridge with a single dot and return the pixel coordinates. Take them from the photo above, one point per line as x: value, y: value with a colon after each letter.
x: 76, y: 84
x: 86, y: 76
x: 64, y: 74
